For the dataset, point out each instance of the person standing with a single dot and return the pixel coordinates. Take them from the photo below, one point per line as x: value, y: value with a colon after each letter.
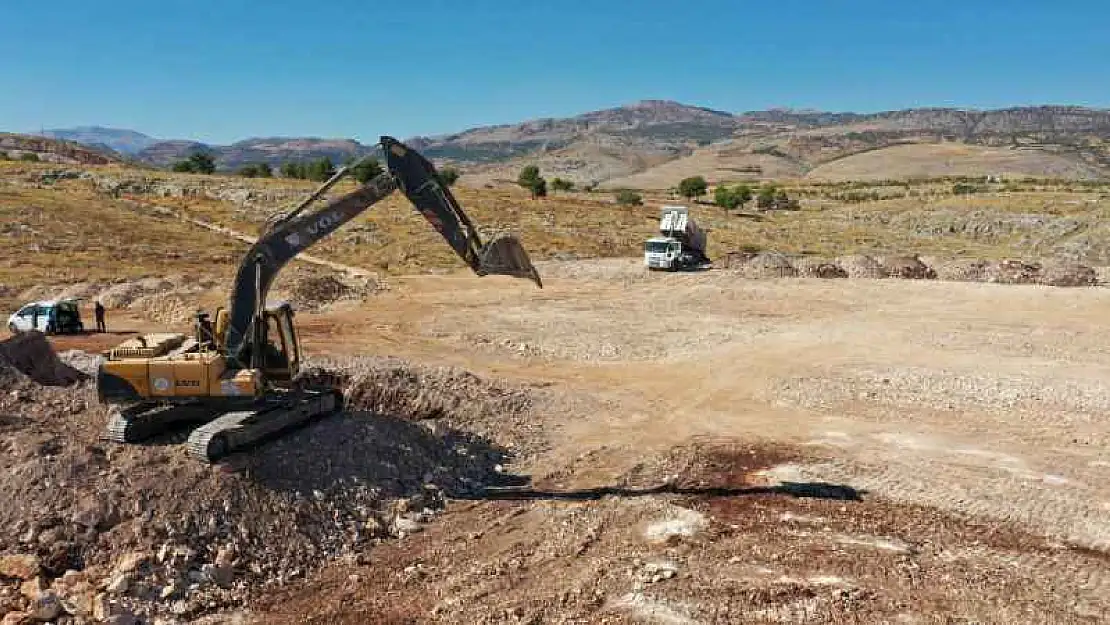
x: 99, y: 312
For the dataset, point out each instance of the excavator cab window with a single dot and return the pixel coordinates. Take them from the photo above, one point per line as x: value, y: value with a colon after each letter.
x: 276, y: 361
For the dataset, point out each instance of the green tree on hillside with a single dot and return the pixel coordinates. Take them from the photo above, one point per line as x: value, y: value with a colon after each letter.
x: 199, y: 162
x: 448, y: 175
x: 558, y: 184
x: 320, y: 169
x: 531, y: 179
x: 256, y: 170
x: 731, y: 197
x: 366, y: 170
x: 291, y: 169
x: 628, y: 197
x: 692, y: 187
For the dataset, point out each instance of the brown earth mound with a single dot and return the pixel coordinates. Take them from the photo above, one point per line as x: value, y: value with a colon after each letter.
x: 961, y: 270
x: 167, y: 537
x: 908, y: 267
x: 313, y: 292
x: 1067, y: 274
x: 813, y: 267
x: 861, y: 266
x: 30, y: 354
x: 1012, y: 272
x: 769, y: 265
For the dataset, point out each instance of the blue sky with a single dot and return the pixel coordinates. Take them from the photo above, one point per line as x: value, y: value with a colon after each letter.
x: 362, y: 68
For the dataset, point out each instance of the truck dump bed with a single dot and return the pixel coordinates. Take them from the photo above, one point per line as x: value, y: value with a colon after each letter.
x: 676, y: 222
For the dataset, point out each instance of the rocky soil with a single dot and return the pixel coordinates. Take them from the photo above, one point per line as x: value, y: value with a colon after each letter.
x: 100, y: 531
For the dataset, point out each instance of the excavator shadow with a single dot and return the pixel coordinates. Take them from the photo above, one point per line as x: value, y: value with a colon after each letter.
x: 814, y: 490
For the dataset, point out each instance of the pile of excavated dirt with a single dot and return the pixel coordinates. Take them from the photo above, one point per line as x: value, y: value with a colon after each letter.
x: 768, y: 265
x: 906, y: 267
x: 446, y: 394
x: 1067, y: 274
x: 861, y: 266
x: 167, y: 308
x: 1012, y: 272
x: 29, y: 354
x: 813, y: 267
x: 961, y: 270
x: 315, y: 292
x: 145, y: 530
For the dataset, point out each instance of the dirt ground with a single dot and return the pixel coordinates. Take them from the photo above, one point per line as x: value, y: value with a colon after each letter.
x: 813, y: 450
x: 726, y: 450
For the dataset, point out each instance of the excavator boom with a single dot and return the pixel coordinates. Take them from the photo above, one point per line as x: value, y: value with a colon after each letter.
x: 290, y: 235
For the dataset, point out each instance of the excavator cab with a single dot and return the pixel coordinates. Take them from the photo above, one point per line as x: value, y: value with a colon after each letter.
x: 281, y: 353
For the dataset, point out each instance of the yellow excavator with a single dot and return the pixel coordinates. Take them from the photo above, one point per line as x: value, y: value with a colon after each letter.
x: 238, y: 377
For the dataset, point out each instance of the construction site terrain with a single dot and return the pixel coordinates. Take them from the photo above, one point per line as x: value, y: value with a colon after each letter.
x: 621, y: 446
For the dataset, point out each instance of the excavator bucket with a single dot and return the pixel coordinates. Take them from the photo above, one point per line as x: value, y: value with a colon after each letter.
x: 417, y: 178
x: 506, y: 256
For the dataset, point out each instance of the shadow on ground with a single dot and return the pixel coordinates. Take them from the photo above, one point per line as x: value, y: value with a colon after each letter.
x: 512, y: 488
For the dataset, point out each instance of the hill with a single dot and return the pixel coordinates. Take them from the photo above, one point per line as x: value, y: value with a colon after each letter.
x: 116, y: 139
x: 654, y: 143
x: 54, y: 150
x: 272, y: 150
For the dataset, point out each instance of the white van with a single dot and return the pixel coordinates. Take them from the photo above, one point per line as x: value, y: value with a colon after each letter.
x: 49, y: 317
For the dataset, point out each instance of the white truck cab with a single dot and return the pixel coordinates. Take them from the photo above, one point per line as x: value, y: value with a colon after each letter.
x: 661, y: 252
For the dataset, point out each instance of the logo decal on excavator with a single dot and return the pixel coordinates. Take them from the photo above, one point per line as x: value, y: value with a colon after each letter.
x: 313, y: 231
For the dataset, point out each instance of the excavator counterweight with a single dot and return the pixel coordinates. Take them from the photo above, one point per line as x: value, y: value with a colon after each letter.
x: 239, y: 379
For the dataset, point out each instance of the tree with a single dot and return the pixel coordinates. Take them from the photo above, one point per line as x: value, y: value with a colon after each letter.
x: 558, y: 184
x: 730, y: 198
x: 539, y: 188
x: 367, y: 170
x: 291, y: 169
x: 628, y: 197
x: 320, y: 169
x: 530, y: 179
x: 448, y: 176
x: 30, y: 157
x: 743, y: 194
x: 766, y: 198
x: 725, y: 198
x: 202, y: 163
x: 256, y: 170
x: 692, y: 187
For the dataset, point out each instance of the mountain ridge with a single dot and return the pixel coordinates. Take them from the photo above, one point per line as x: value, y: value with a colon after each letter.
x: 616, y: 142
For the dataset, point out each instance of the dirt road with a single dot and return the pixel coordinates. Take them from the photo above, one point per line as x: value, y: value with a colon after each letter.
x: 839, y: 450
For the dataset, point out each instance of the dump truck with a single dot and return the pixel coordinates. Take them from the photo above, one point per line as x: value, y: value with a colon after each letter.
x: 680, y: 244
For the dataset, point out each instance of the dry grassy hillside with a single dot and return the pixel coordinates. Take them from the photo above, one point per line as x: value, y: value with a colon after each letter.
x: 57, y: 236
x: 951, y: 159
x: 113, y: 222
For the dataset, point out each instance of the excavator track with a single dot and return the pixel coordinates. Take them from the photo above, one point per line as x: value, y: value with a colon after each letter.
x: 242, y: 429
x: 146, y: 420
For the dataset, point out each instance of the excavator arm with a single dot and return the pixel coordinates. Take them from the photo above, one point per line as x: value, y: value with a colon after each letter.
x: 295, y: 232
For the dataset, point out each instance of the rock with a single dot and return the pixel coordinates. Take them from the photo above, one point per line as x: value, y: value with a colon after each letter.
x: 130, y: 563
x: 101, y: 608
x: 405, y: 526
x: 32, y: 588
x: 225, y: 557
x: 222, y: 576
x: 171, y: 589
x: 19, y: 566
x: 123, y: 618
x: 46, y: 608
x: 16, y: 618
x: 118, y: 584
